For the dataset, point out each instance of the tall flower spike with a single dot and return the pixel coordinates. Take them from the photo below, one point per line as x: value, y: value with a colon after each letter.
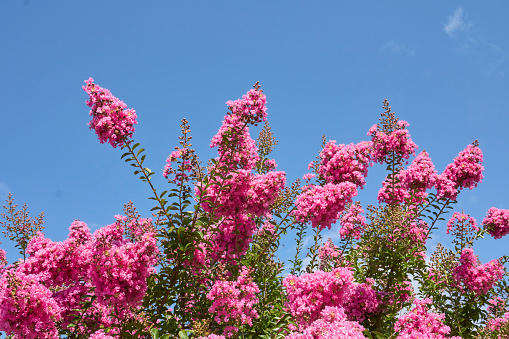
x: 112, y: 122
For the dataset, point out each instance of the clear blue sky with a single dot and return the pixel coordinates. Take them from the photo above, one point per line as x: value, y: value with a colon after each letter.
x: 325, y: 66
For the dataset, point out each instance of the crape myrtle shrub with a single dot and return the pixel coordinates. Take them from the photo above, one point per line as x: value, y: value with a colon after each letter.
x: 204, y: 265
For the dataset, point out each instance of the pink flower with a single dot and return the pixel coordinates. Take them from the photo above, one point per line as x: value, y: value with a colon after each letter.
x: 497, y: 222
x: 345, y: 163
x: 398, y: 141
x: 310, y: 293
x: 420, y: 323
x: 464, y: 172
x: 236, y: 148
x: 111, y: 120
x: 461, y: 218
x: 251, y: 108
x: 27, y: 309
x: 475, y: 277
x: 322, y: 204
x: 353, y: 222
x: 233, y: 302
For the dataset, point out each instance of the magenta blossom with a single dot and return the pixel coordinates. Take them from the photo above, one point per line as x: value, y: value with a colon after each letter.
x: 112, y: 122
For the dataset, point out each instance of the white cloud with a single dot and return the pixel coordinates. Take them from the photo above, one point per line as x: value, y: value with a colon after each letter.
x: 458, y: 22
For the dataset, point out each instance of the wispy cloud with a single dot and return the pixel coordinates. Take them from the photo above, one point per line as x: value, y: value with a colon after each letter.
x: 397, y: 48
x: 4, y: 190
x: 458, y: 22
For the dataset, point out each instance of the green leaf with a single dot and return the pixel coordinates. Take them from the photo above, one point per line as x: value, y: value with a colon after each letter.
x: 183, y: 334
x: 155, y: 333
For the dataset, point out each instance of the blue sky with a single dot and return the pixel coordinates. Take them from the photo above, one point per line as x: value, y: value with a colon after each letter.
x: 325, y: 66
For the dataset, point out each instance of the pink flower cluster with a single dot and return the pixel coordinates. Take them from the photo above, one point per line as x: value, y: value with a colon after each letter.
x: 353, y: 222
x: 111, y: 120
x: 213, y: 336
x: 120, y: 268
x: 232, y: 237
x: 251, y: 108
x: 234, y: 194
x: 235, y: 146
x: 462, y: 218
x: 412, y: 182
x: 398, y: 141
x: 464, y: 172
x: 345, y: 163
x: 322, y: 204
x: 331, y: 324
x: 27, y: 308
x: 243, y: 192
x: 233, y: 302
x: 104, y: 264
x: 328, y: 251
x: 310, y: 293
x: 497, y: 222
x: 499, y: 317
x: 475, y: 277
x: 419, y: 323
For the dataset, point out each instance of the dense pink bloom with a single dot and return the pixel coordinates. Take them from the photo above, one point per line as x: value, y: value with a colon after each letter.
x: 475, y: 277
x: 27, y: 308
x: 251, y: 108
x: 410, y: 183
x: 462, y: 218
x: 111, y: 120
x: 419, y: 176
x: 62, y: 263
x: 236, y: 148
x: 100, y: 335
x: 398, y: 141
x: 446, y: 188
x: 497, y: 222
x: 322, y: 329
x: 263, y: 190
x: 353, y: 222
x: 322, y: 204
x: 345, y: 163
x: 331, y: 324
x: 119, y: 268
x: 242, y: 192
x: 362, y: 301
x: 233, y: 302
x: 393, y: 191
x: 419, y: 323
x: 310, y: 293
x: 464, y: 172
x: 213, y: 336
x: 231, y: 239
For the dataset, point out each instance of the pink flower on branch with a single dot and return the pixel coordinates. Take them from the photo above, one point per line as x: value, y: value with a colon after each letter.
x: 420, y: 323
x: 397, y: 142
x: 251, y: 108
x: 464, y: 172
x: 233, y: 302
x: 497, y: 222
x: 345, y: 163
x: 322, y: 204
x: 475, y: 277
x: 353, y: 223
x: 27, y: 308
x: 112, y: 122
